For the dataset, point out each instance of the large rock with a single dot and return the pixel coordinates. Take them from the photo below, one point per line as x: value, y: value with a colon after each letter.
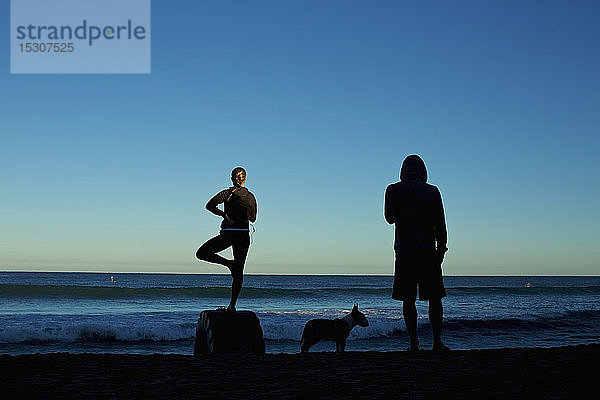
x: 220, y: 331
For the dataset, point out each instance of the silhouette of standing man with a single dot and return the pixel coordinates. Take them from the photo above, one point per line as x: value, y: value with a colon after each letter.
x: 239, y: 209
x: 415, y: 207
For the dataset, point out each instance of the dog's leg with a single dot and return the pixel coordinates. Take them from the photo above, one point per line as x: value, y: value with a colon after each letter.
x: 306, y: 344
x: 304, y: 347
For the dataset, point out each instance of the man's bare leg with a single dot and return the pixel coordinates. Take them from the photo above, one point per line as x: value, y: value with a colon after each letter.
x: 409, y: 309
x: 436, y: 313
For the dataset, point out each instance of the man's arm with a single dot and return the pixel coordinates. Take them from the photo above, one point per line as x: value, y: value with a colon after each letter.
x: 388, y: 211
x: 215, y: 201
x: 441, y: 234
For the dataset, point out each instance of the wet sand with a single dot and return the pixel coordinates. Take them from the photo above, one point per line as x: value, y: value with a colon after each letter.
x: 554, y: 373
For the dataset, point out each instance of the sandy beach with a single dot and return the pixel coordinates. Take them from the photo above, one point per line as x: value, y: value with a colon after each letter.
x: 559, y: 373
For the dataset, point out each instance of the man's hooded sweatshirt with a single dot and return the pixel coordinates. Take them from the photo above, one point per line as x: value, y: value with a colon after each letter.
x: 415, y: 207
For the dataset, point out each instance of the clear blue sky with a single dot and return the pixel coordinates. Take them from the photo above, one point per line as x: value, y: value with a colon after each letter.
x: 320, y: 101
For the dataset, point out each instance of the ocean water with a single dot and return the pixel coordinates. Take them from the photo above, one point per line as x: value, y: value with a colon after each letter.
x: 157, y: 313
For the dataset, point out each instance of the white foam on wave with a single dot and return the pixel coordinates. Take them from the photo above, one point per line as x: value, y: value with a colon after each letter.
x: 99, y: 332
x: 276, y: 325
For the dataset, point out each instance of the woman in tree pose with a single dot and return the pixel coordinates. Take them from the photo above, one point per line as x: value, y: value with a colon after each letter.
x: 239, y: 210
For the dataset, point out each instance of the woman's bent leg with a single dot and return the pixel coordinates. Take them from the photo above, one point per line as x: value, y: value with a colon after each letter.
x: 208, y: 251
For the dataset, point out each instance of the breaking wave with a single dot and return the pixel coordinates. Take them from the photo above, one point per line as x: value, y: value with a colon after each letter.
x: 276, y: 326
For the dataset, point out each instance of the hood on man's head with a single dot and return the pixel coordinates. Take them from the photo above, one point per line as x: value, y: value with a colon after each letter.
x: 413, y: 169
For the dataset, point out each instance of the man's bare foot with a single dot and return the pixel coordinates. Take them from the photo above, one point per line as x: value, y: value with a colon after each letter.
x: 413, y: 348
x: 440, y: 348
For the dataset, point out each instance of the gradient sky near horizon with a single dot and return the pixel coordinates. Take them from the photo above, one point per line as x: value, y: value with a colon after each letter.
x: 320, y: 101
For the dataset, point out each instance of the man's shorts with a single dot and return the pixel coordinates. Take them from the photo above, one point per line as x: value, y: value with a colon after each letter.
x: 418, y: 268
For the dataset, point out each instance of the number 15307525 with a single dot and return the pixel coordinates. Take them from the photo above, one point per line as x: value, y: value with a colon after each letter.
x: 46, y: 47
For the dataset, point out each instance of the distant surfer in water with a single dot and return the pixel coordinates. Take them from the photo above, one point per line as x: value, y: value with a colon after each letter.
x: 238, y: 211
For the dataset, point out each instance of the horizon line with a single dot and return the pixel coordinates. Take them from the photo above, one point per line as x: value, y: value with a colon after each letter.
x: 287, y: 274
